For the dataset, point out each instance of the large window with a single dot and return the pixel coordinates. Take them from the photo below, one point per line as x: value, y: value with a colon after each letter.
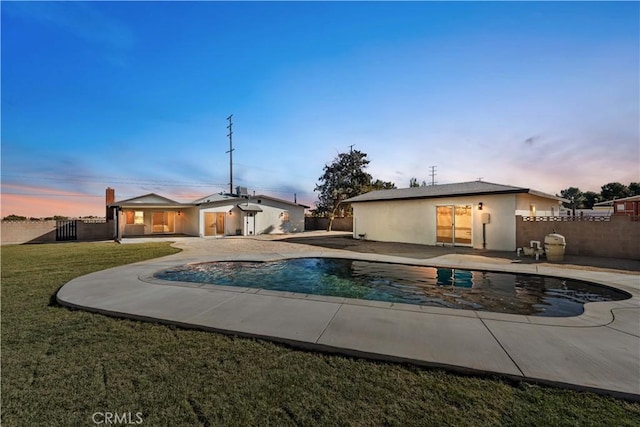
x: 134, y: 217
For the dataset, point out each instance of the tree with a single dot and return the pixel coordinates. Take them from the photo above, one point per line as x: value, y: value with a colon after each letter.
x: 590, y: 198
x: 614, y: 190
x: 413, y: 182
x: 343, y: 178
x: 575, y: 197
x: 14, y: 217
x: 380, y: 185
x: 634, y: 189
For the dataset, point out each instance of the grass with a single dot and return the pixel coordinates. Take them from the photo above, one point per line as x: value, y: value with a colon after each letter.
x: 61, y: 366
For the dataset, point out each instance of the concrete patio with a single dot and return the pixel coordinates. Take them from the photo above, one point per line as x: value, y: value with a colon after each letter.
x: 597, y: 351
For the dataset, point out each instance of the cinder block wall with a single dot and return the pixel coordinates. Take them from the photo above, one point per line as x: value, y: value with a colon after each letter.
x: 318, y: 223
x: 617, y: 238
x: 19, y: 232
x: 88, y: 231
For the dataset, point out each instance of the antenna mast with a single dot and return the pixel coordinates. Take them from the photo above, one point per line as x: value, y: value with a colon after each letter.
x: 433, y: 174
x: 230, y: 154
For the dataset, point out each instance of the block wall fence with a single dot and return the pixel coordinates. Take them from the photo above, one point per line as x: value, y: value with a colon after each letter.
x: 617, y: 236
x: 19, y: 232
x: 318, y: 223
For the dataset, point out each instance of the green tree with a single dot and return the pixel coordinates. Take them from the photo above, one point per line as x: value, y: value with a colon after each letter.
x: 575, y: 197
x: 634, y: 188
x: 380, y: 185
x: 614, y: 190
x: 13, y: 217
x: 413, y: 182
x: 343, y: 178
x: 590, y: 198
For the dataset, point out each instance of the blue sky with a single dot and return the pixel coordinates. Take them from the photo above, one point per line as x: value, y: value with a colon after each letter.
x: 135, y: 96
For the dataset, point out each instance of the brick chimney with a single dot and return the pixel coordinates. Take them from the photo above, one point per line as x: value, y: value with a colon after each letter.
x: 110, y: 198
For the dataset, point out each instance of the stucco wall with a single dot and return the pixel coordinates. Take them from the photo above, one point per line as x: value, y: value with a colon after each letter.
x: 183, y: 221
x: 543, y: 206
x: 270, y: 220
x: 232, y: 219
x: 414, y: 221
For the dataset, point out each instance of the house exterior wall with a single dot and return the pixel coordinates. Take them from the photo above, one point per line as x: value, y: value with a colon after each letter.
x: 232, y: 219
x: 414, y: 221
x: 631, y: 208
x: 543, y: 206
x: 190, y: 222
x: 183, y: 222
x: 270, y: 220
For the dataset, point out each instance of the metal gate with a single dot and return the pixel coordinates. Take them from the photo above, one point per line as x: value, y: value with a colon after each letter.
x: 66, y: 230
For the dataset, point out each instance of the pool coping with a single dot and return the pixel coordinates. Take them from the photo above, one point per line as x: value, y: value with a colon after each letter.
x: 598, y: 350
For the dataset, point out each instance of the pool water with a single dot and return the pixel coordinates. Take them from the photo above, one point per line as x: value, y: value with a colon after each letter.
x: 399, y: 283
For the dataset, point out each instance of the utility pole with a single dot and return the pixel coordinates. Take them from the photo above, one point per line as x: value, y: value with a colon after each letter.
x: 351, y: 148
x: 230, y: 154
x: 433, y: 174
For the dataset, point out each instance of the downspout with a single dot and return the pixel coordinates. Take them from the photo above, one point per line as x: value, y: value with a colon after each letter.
x: 484, y: 235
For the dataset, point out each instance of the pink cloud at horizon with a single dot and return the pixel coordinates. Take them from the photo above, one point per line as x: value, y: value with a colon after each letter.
x: 41, y: 206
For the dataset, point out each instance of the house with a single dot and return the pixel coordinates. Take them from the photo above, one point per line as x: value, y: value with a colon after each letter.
x: 476, y: 214
x: 215, y: 215
x: 626, y: 206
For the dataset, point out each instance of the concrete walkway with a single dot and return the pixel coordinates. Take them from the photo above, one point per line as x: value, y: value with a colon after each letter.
x: 598, y: 350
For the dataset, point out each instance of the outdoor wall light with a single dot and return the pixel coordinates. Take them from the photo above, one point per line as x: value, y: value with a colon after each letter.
x: 480, y: 205
x: 179, y: 213
x: 231, y: 212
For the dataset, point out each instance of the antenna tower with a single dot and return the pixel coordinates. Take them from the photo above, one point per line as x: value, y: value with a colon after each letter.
x: 230, y: 135
x: 433, y: 174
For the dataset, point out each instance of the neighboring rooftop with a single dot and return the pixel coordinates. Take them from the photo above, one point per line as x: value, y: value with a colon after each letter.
x: 624, y: 199
x: 446, y: 190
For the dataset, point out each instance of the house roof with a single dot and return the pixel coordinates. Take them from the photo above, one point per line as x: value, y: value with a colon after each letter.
x: 262, y: 196
x: 635, y: 198
x: 446, y: 190
x: 155, y: 200
x: 216, y: 197
x: 249, y: 207
x: 148, y: 200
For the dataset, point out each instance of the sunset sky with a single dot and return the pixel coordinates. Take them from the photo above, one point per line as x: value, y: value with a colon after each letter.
x: 135, y: 96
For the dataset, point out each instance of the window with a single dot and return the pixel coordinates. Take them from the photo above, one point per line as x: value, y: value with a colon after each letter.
x: 134, y: 217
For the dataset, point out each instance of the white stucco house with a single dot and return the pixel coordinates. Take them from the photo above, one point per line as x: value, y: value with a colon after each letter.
x: 215, y: 215
x: 476, y: 214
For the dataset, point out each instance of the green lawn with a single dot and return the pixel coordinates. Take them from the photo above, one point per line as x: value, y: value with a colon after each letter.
x: 61, y: 366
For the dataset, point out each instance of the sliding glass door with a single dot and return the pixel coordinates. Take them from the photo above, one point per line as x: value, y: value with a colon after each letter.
x: 453, y: 224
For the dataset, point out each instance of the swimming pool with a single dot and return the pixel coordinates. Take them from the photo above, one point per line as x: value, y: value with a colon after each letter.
x: 400, y: 283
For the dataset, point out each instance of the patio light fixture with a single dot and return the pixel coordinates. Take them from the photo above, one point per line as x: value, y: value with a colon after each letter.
x: 480, y: 205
